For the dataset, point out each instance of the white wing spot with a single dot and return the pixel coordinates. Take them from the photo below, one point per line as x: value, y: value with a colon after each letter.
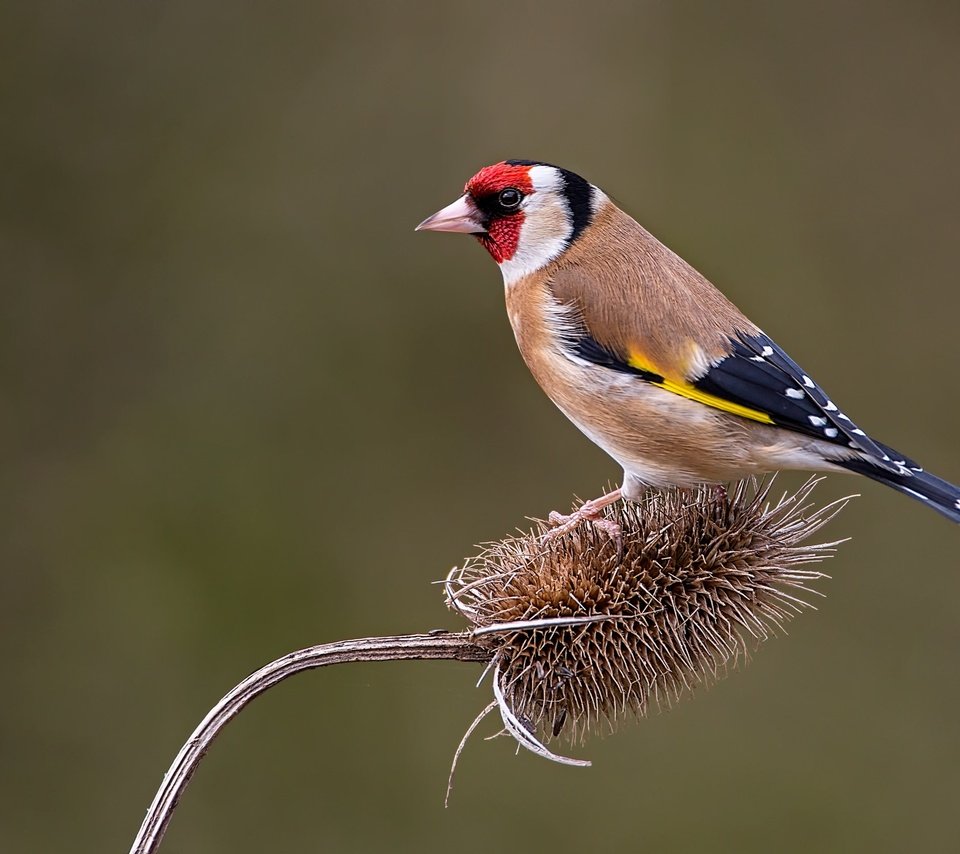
x: 766, y: 351
x: 857, y: 431
x: 794, y: 392
x: 807, y: 381
x: 830, y: 406
x: 757, y: 359
x: 583, y: 363
x: 831, y: 432
x: 817, y: 420
x: 841, y: 415
x: 958, y: 504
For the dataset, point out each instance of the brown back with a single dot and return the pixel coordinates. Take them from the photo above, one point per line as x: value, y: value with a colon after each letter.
x: 638, y: 298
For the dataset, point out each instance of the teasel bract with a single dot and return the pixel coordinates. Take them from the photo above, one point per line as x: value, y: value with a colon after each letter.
x: 584, y: 629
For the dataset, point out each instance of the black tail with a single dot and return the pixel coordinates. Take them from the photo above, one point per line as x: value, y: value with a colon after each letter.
x: 942, y: 496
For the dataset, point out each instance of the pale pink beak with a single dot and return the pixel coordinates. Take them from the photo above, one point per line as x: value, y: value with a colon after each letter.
x: 461, y: 216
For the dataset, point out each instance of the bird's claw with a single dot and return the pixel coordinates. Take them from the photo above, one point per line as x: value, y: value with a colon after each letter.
x: 563, y: 524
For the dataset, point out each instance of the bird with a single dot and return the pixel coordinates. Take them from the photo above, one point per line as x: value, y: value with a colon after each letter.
x: 646, y: 357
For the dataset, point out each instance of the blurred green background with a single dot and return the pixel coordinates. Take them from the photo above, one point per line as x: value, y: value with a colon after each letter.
x: 246, y: 409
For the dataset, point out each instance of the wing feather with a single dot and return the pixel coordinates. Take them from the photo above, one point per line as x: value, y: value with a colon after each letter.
x: 758, y: 381
x: 799, y: 404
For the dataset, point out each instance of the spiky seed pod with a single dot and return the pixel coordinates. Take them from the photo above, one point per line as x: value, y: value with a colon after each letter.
x: 584, y: 630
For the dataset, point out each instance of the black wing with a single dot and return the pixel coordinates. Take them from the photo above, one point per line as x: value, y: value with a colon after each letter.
x: 759, y: 374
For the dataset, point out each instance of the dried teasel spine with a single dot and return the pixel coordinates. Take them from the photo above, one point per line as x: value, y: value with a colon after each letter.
x: 584, y: 630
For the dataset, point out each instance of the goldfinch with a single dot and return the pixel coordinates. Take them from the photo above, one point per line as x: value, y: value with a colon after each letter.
x: 646, y: 357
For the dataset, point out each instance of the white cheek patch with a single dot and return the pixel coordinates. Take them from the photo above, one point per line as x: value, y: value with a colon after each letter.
x: 546, y: 178
x: 546, y: 228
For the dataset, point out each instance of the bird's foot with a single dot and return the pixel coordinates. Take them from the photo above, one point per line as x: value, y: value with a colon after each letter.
x: 589, y: 511
x: 563, y: 524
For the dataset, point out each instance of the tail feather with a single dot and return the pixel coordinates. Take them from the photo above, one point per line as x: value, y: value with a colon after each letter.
x: 941, y: 495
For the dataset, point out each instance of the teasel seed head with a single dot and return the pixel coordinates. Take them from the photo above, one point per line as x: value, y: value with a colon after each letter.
x: 584, y: 630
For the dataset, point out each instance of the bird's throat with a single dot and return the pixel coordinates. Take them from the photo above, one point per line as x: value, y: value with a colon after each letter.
x: 502, y: 237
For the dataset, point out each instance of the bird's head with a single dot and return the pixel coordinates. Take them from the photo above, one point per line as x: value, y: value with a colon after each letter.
x: 525, y: 213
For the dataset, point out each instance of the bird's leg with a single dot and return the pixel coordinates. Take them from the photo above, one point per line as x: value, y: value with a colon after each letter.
x: 590, y: 511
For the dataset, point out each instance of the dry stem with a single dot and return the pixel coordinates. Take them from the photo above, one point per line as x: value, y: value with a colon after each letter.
x: 457, y: 646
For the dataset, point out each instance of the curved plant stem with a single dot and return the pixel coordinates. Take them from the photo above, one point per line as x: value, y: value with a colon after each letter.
x: 457, y: 646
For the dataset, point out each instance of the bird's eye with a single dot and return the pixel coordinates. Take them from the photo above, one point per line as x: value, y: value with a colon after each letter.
x: 509, y: 198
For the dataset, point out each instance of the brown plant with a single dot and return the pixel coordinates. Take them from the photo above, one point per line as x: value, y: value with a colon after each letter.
x: 583, y: 629
x: 580, y: 629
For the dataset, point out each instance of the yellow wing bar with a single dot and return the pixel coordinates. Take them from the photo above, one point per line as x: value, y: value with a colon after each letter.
x: 691, y: 392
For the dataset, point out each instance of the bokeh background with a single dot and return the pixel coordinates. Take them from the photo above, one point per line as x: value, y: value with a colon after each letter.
x: 245, y: 409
